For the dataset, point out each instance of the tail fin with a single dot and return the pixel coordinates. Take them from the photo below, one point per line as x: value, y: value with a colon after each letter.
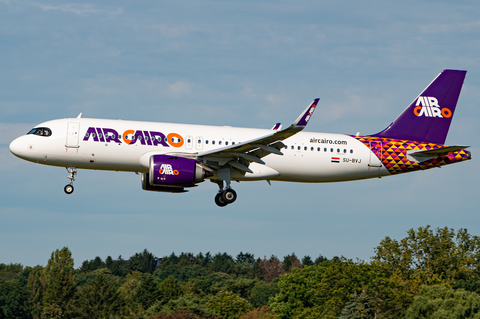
x: 428, y: 117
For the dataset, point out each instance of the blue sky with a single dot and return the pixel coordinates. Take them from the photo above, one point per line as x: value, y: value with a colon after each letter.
x: 238, y: 63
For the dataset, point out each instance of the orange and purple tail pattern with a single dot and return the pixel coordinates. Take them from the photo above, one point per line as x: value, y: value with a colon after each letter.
x: 393, y: 154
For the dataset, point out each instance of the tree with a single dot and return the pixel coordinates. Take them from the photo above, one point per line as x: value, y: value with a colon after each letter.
x: 262, y: 292
x: 290, y: 262
x: 441, y: 302
x: 148, y: 292
x: 143, y: 262
x: 228, y: 305
x: 359, y: 307
x: 259, y: 313
x: 169, y: 289
x: 36, y: 286
x: 13, y: 300
x: 58, y: 298
x: 323, y: 290
x: 99, y: 299
x: 271, y: 268
x: 431, y: 257
x: 307, y: 261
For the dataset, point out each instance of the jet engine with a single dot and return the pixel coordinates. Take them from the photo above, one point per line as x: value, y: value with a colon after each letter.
x: 172, y: 173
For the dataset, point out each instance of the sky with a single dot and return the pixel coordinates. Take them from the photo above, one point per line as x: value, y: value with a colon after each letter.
x: 237, y: 63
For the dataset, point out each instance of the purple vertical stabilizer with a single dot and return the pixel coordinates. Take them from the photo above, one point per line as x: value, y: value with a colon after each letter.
x: 428, y: 117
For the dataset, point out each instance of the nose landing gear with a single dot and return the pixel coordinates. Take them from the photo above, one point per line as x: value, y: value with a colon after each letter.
x: 72, y: 171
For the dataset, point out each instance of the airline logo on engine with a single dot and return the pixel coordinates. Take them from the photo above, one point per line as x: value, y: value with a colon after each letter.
x: 167, y: 169
x: 428, y: 106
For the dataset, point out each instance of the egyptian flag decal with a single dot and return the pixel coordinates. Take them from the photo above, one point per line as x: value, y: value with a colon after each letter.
x: 335, y: 159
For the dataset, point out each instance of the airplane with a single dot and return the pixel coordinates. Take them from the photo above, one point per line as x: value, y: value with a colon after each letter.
x: 173, y: 157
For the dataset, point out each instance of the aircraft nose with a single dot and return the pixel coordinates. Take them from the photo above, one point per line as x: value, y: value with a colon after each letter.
x: 17, y: 146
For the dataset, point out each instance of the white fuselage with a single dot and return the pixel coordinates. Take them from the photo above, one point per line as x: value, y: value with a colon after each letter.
x: 308, y: 157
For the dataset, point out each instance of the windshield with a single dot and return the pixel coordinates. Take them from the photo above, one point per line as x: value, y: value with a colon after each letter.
x: 42, y: 131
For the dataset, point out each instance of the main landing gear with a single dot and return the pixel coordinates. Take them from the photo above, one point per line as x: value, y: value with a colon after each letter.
x: 224, y: 196
x: 72, y: 171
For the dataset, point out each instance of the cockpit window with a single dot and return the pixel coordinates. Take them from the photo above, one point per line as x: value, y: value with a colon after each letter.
x: 42, y: 131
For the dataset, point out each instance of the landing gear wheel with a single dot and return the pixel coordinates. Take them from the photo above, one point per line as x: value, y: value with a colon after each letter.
x: 68, y: 189
x: 219, y: 200
x: 229, y: 196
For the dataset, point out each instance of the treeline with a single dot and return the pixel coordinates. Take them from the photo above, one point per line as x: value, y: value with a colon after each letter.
x: 429, y: 273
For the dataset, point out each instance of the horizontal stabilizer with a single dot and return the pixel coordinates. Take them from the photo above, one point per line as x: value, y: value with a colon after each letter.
x: 422, y: 156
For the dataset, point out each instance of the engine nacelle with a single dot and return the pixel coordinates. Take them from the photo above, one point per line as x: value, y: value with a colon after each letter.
x: 167, y: 189
x: 175, y: 171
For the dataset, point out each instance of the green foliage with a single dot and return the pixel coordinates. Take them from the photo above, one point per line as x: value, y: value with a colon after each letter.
x: 14, y: 300
x: 431, y: 257
x: 148, y: 292
x: 290, y: 262
x: 182, y: 314
x: 472, y: 284
x: 441, y: 302
x: 170, y: 289
x: 58, y: 297
x: 359, y: 307
x: 36, y: 286
x: 228, y: 305
x: 144, y: 262
x: 98, y: 299
x: 261, y: 292
x: 323, y: 290
x: 259, y: 313
x: 241, y: 287
x: 190, y: 303
x: 11, y: 271
x: 307, y: 261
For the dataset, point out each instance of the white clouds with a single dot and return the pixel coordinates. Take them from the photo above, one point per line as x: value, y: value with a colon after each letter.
x: 84, y: 8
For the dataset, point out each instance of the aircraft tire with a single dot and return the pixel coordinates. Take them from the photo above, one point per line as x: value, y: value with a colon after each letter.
x: 219, y: 200
x: 229, y: 196
x: 68, y: 189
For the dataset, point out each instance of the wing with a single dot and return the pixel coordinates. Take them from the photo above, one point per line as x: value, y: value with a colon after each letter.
x: 240, y: 155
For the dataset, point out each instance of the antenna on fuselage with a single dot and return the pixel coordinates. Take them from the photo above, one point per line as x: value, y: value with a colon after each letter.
x: 79, y: 116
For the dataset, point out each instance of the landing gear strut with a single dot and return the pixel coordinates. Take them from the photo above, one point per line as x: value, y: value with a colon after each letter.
x: 72, y: 171
x: 224, y: 196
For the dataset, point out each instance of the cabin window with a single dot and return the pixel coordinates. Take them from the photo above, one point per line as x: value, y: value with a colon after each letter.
x: 318, y: 149
x: 344, y: 150
x: 220, y: 143
x: 305, y: 148
x: 351, y: 151
x: 325, y: 149
x: 213, y: 142
x: 293, y: 147
x: 331, y: 150
x: 312, y: 148
x: 188, y: 141
x: 338, y: 150
x: 226, y: 143
x: 41, y: 131
x: 206, y: 141
x: 233, y: 143
x: 299, y: 148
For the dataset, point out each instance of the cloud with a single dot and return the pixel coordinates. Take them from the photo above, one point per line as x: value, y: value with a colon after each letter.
x: 454, y: 27
x: 78, y: 8
x: 180, y: 87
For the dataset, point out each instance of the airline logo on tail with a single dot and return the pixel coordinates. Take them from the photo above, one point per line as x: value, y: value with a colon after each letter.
x: 428, y: 106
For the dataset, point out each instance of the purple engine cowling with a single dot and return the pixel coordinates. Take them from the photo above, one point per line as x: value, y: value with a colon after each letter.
x: 175, y: 171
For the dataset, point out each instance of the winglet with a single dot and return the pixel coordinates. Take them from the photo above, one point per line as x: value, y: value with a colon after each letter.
x: 277, y: 127
x: 303, y: 119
